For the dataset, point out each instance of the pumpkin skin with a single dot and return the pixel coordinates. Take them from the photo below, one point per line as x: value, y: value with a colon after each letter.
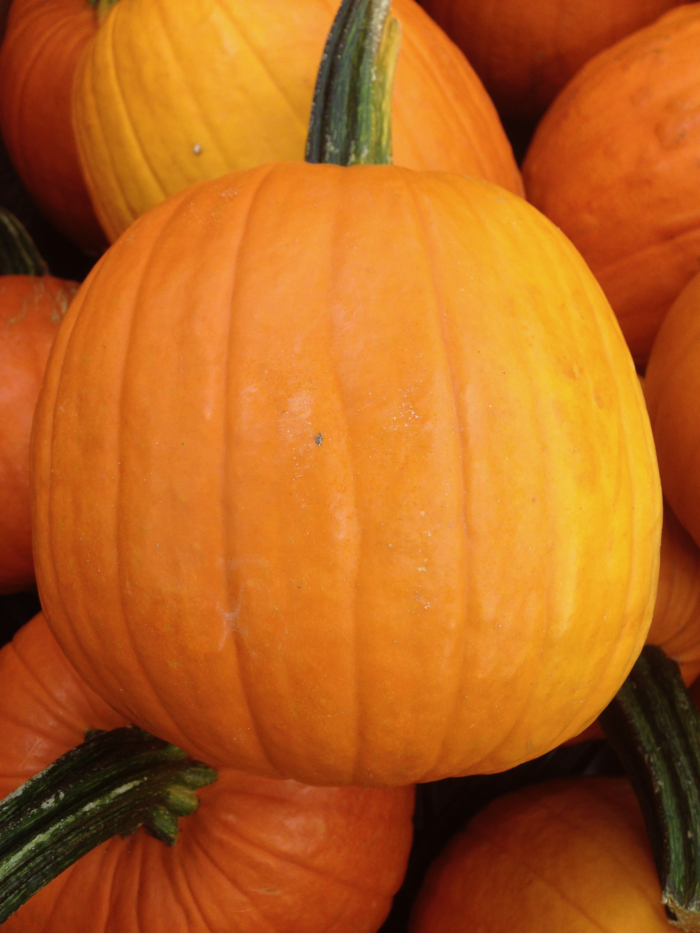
x: 526, y: 52
x: 31, y: 308
x: 332, y: 857
x: 149, y: 120
x: 38, y: 57
x: 565, y: 855
x: 613, y: 164
x: 672, y: 379
x: 309, y: 510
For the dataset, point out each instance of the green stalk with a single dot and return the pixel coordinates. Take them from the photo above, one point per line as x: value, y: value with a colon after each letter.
x: 351, y: 110
x: 654, y: 727
x: 102, y: 8
x: 18, y: 254
x: 110, y: 785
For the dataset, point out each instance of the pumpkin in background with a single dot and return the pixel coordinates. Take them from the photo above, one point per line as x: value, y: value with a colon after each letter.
x: 38, y: 57
x: 257, y: 855
x: 671, y: 388
x: 614, y: 164
x: 170, y: 93
x: 31, y: 308
x: 568, y: 855
x: 345, y: 474
x: 526, y: 52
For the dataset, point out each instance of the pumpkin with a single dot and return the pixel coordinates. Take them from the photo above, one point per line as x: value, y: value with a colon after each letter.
x: 170, y: 93
x: 257, y: 855
x: 38, y: 57
x: 344, y: 474
x: 613, y: 164
x: 526, y: 52
x: 564, y: 855
x: 670, y: 389
x: 31, y: 308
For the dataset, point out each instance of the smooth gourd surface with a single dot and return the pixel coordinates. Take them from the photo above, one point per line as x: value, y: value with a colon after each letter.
x: 170, y: 93
x: 257, y: 856
x: 346, y: 474
x: 562, y: 856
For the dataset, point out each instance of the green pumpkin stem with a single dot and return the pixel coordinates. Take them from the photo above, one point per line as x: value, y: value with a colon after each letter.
x: 654, y: 727
x: 351, y: 110
x: 18, y: 254
x: 102, y: 8
x: 110, y: 785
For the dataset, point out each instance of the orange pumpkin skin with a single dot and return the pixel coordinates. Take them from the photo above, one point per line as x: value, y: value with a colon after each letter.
x: 675, y: 624
x: 613, y: 164
x: 568, y: 855
x: 526, y: 52
x: 670, y: 387
x: 31, y: 308
x: 150, y: 120
x: 257, y: 855
x: 38, y: 57
x: 318, y: 508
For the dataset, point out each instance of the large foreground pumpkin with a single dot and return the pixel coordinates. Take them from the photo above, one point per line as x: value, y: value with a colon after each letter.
x: 258, y: 855
x: 169, y: 93
x: 345, y: 474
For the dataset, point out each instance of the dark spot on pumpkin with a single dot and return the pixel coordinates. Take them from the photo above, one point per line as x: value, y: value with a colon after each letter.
x: 319, y: 439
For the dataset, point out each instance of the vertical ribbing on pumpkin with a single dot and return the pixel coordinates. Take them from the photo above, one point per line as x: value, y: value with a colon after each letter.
x: 351, y: 110
x: 654, y: 727
x: 18, y: 253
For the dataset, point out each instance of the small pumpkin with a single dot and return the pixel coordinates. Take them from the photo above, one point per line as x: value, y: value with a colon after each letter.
x: 345, y: 474
x: 38, y: 57
x: 564, y: 855
x: 613, y: 164
x: 671, y: 388
x: 257, y: 855
x: 32, y: 305
x: 526, y: 52
x: 167, y: 94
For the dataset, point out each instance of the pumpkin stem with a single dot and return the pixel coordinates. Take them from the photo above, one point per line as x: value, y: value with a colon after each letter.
x: 351, y: 110
x: 109, y: 785
x: 18, y: 253
x: 654, y: 727
x: 102, y: 8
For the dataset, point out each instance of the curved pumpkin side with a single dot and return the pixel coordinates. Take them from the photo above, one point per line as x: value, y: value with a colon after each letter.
x: 38, y: 58
x: 614, y: 162
x: 150, y: 119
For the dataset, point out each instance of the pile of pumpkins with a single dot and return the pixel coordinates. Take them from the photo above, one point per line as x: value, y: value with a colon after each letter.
x: 343, y: 476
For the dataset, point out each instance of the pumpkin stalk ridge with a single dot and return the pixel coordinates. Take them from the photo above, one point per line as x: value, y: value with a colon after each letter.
x: 110, y: 785
x: 654, y: 727
x: 351, y: 110
x: 18, y: 252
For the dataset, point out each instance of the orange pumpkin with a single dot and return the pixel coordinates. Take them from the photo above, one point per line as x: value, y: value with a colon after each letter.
x: 38, y: 57
x: 345, y: 474
x: 614, y: 162
x: 526, y: 52
x: 257, y: 855
x: 562, y: 856
x: 170, y: 93
x: 31, y: 308
x: 671, y: 390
